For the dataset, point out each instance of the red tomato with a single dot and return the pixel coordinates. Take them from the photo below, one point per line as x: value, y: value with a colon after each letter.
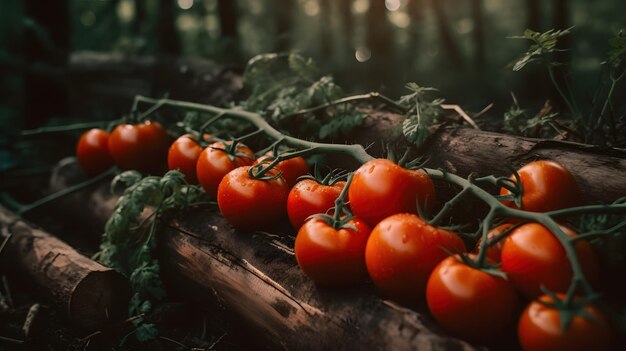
x: 532, y: 256
x: 291, y: 169
x: 183, y: 156
x: 332, y: 256
x: 402, y: 251
x: 308, y: 197
x: 494, y: 251
x: 250, y: 204
x: 547, y: 186
x: 468, y: 302
x: 381, y: 188
x: 539, y: 329
x: 142, y: 147
x: 214, y: 163
x: 92, y: 151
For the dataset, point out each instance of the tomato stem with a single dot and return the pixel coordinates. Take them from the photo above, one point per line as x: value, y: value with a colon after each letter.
x: 469, y: 186
x: 67, y: 128
x: 24, y: 208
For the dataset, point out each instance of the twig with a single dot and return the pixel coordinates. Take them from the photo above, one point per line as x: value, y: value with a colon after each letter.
x: 483, y: 111
x: 461, y: 113
x: 7, y: 291
x: 5, y: 241
x: 217, y: 341
x: 174, y: 342
x: 11, y: 340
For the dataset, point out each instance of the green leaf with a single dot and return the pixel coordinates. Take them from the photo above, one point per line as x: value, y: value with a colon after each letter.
x: 543, y: 44
x: 617, y: 53
x: 422, y: 112
x: 146, y: 332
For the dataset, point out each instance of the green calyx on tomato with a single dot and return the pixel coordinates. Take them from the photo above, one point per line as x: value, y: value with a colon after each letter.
x: 382, y: 188
x: 542, y: 186
x: 331, y: 249
x: 217, y: 160
x: 560, y: 322
x: 251, y: 204
x: 470, y: 302
x: 532, y: 256
x: 313, y: 195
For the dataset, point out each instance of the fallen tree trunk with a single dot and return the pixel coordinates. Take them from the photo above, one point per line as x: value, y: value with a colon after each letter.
x: 90, y: 294
x: 253, y: 280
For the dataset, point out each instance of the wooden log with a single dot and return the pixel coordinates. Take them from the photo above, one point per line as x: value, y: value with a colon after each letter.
x: 252, y: 279
x: 107, y: 83
x: 90, y: 294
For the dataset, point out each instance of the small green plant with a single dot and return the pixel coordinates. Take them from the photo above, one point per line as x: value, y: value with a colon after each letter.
x: 596, y: 124
x: 288, y: 86
x: 421, y: 112
x: 130, y: 235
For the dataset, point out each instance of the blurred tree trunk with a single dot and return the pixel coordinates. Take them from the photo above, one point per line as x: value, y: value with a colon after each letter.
x: 479, y: 33
x: 46, y: 40
x: 452, y: 50
x: 344, y: 7
x: 229, y: 19
x: 140, y: 15
x: 326, y: 30
x: 415, y: 9
x: 533, y: 15
x: 167, y: 36
x: 284, y: 13
x: 561, y: 21
x: 379, y: 42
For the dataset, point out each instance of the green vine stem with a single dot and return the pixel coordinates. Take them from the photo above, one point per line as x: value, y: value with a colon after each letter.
x: 68, y: 128
x: 356, y: 151
x: 468, y: 186
x: 24, y: 208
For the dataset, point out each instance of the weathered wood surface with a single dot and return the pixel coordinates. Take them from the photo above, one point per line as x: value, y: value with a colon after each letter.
x: 253, y: 279
x: 90, y: 294
x: 103, y: 85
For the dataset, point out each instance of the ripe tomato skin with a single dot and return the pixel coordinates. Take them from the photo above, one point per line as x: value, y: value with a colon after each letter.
x: 381, y: 188
x: 291, y: 169
x: 183, y: 155
x: 308, y: 197
x: 213, y: 164
x: 142, y: 147
x: 92, y: 151
x: 468, y: 302
x: 539, y: 329
x: 332, y: 256
x: 401, y: 253
x: 532, y: 256
x: 250, y: 204
x: 494, y: 252
x: 547, y: 186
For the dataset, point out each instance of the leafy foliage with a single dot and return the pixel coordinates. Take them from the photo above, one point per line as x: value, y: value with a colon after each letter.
x: 543, y: 124
x: 283, y: 85
x: 617, y: 54
x: 421, y: 112
x: 543, y: 44
x: 129, y: 239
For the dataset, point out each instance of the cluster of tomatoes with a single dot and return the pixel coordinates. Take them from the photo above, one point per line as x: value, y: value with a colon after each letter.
x: 410, y: 260
x: 383, y: 237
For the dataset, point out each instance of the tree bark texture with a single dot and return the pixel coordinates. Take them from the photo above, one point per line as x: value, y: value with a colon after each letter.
x: 252, y: 279
x: 90, y: 294
x: 108, y: 83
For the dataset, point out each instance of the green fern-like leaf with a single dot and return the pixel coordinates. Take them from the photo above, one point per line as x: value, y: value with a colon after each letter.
x: 542, y: 45
x: 422, y: 112
x: 617, y: 53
